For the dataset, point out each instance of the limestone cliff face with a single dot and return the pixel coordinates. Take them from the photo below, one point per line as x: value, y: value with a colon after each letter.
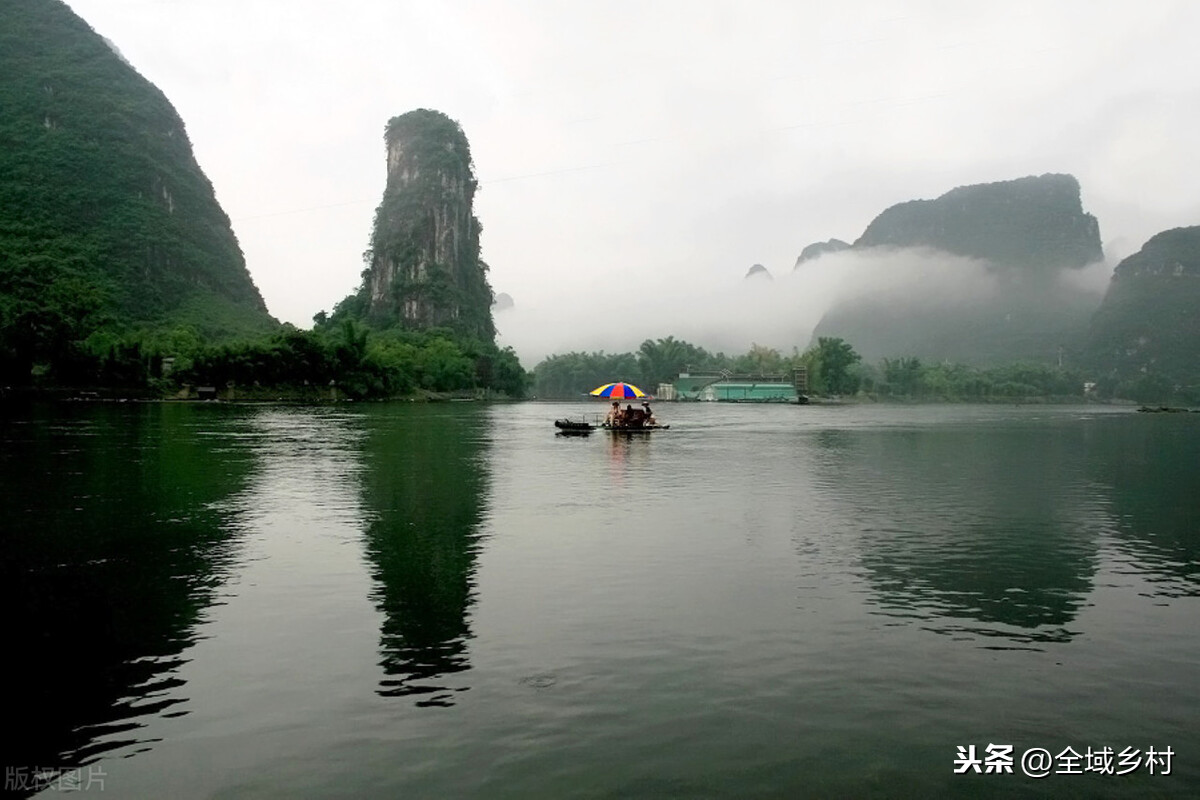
x: 1149, y: 321
x: 424, y: 269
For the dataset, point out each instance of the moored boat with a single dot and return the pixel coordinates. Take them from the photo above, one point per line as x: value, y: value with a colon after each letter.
x: 572, y: 428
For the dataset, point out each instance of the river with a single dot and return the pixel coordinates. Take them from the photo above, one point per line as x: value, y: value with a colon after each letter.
x: 449, y: 600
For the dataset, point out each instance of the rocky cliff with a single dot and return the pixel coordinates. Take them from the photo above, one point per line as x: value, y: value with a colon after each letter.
x: 106, y: 219
x: 976, y: 275
x: 1149, y: 322
x: 424, y: 268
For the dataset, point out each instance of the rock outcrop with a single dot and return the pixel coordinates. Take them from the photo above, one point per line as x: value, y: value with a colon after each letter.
x: 424, y: 267
x: 1149, y: 322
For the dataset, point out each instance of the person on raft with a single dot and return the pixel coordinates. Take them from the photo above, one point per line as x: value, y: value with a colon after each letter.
x: 632, y: 417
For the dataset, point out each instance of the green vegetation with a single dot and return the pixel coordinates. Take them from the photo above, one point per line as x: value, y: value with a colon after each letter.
x: 836, y: 369
x: 661, y: 360
x: 832, y: 363
x: 108, y: 227
x: 350, y: 359
x: 1147, y: 331
x: 330, y: 362
x: 119, y: 270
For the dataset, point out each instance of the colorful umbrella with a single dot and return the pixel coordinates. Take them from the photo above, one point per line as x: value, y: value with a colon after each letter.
x: 623, y: 390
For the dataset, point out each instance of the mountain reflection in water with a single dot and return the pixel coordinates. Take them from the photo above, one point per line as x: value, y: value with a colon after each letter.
x: 969, y: 530
x: 114, y: 545
x: 424, y: 488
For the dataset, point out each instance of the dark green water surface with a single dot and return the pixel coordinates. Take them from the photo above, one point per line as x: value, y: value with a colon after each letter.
x: 450, y: 601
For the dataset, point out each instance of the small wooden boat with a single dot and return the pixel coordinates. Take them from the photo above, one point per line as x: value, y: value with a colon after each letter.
x: 568, y: 427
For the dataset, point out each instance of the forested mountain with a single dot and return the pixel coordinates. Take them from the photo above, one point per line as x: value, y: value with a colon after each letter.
x: 1033, y: 224
x: 1149, y: 322
x: 1026, y: 234
x: 107, y: 223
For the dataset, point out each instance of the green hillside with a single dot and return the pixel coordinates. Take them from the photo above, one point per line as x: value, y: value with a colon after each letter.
x: 107, y: 223
x: 1149, y: 322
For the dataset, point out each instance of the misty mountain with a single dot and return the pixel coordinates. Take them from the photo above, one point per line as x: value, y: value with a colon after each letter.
x: 1034, y: 224
x: 424, y: 269
x: 759, y: 271
x: 106, y: 220
x: 818, y: 249
x: 1149, y: 321
x: 1010, y: 248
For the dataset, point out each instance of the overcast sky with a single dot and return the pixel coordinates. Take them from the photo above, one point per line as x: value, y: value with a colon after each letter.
x: 636, y: 158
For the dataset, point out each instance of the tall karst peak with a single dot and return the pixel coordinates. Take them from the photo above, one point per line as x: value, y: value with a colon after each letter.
x: 424, y: 269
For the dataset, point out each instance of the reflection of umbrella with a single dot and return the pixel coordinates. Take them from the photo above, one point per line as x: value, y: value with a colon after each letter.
x: 624, y: 390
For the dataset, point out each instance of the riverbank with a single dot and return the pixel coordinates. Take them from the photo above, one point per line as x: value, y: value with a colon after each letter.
x: 292, y: 395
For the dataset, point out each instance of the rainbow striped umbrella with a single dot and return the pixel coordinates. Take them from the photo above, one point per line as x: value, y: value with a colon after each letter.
x: 619, y: 389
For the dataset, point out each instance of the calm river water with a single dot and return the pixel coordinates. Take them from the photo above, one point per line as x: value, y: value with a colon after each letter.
x: 404, y: 600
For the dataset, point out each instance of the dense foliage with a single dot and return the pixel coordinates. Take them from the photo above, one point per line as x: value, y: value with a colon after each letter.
x: 326, y: 363
x: 660, y: 361
x: 361, y: 363
x: 106, y: 221
x: 835, y: 368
